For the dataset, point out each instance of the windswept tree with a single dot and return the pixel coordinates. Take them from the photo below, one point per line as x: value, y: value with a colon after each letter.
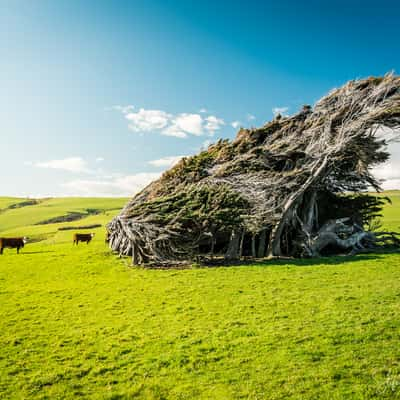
x: 294, y: 187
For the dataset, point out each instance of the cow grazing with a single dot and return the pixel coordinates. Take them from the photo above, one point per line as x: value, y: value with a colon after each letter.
x: 12, y: 243
x: 83, y: 237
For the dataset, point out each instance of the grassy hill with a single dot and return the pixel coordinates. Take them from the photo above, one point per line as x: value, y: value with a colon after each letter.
x: 17, y: 219
x: 76, y: 322
x: 391, y: 218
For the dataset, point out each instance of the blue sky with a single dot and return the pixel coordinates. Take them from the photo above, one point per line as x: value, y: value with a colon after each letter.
x: 99, y: 97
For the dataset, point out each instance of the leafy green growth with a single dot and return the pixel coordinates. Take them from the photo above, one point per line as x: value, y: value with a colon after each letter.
x: 364, y: 208
x: 212, y: 206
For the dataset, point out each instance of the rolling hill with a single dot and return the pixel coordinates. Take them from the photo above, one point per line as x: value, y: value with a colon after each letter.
x: 22, y: 217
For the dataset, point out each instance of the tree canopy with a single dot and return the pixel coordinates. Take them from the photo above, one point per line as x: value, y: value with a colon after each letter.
x: 293, y: 187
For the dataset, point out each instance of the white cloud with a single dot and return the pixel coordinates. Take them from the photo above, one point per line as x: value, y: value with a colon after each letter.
x: 71, y: 164
x: 391, y: 184
x: 389, y: 172
x: 175, y: 131
x: 166, y: 161
x: 236, y: 124
x: 280, y: 110
x: 178, y: 125
x: 213, y: 124
x: 126, y: 185
x: 124, y: 109
x: 147, y: 120
x: 190, y: 123
x: 99, y: 159
x: 250, y: 117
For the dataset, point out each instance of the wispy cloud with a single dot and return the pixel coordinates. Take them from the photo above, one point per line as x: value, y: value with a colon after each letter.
x: 124, y: 109
x: 213, y: 124
x: 147, y: 120
x: 178, y: 125
x: 126, y: 185
x: 166, y: 161
x: 280, y: 110
x: 175, y: 131
x: 236, y: 124
x: 250, y: 117
x: 70, y: 164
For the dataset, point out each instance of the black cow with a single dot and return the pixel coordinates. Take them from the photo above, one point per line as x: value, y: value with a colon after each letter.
x: 12, y: 243
x: 83, y: 237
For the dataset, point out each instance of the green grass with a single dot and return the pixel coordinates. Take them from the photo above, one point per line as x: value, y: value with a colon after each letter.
x: 18, y: 219
x: 76, y: 322
x: 392, y: 211
x: 6, y: 202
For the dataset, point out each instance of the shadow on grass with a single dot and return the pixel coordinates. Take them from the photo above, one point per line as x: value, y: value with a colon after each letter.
x: 303, y: 262
x: 36, y: 252
x: 220, y: 262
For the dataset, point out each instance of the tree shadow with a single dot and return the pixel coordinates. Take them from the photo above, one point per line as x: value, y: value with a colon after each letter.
x: 303, y: 262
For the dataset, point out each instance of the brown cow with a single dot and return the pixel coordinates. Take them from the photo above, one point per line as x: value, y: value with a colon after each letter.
x: 83, y: 237
x: 12, y: 243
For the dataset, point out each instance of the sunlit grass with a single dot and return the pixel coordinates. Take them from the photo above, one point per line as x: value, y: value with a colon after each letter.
x: 77, y: 322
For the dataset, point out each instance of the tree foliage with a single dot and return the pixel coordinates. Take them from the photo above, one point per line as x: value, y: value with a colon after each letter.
x: 293, y: 187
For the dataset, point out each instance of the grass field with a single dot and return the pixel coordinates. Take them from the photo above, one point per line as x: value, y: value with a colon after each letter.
x: 76, y: 322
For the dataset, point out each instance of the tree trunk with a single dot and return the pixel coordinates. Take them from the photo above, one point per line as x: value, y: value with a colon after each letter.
x: 261, y: 244
x: 332, y: 239
x: 341, y: 235
x: 135, y: 259
x: 233, y: 248
x: 241, y: 244
x: 290, y: 207
x: 253, y: 246
x: 310, y: 214
x: 212, y: 244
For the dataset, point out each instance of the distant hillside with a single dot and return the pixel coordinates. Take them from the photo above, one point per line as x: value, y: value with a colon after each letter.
x: 42, y: 219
